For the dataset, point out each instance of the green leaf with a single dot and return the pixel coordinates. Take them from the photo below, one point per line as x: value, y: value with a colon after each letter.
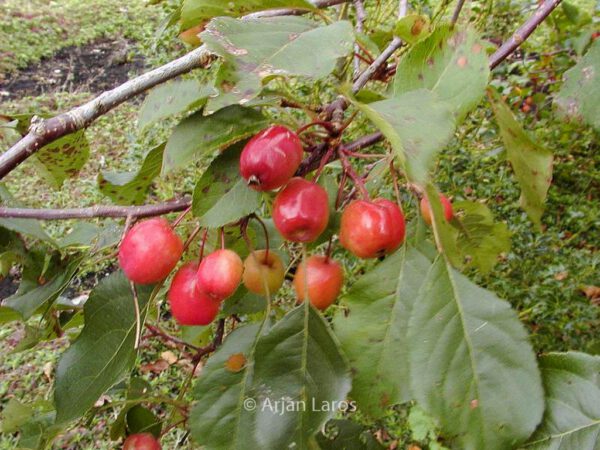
x: 472, y: 367
x: 531, y: 162
x: 244, y: 302
x: 572, y: 417
x: 88, y: 235
x: 295, y: 47
x: 138, y: 388
x: 233, y: 87
x: 346, y: 435
x: 14, y: 415
x: 38, y: 432
x: 373, y: 332
x: 28, y: 301
x: 579, y: 97
x: 220, y: 419
x: 12, y: 251
x: 30, y: 227
x: 480, y: 239
x: 221, y: 195
x: 445, y: 235
x: 174, y: 97
x: 33, y: 421
x: 32, y: 337
x: 417, y: 125
x: 8, y: 315
x: 104, y: 351
x: 130, y: 188
x: 196, y: 11
x: 9, y: 133
x: 142, y: 420
x: 297, y: 363
x: 422, y: 426
x: 63, y: 158
x: 452, y: 64
x: 413, y: 28
x: 198, y: 135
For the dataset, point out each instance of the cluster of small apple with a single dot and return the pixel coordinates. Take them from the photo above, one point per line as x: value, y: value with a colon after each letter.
x: 369, y: 229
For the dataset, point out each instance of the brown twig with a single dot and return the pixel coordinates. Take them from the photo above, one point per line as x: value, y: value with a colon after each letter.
x: 357, y: 179
x: 523, y: 32
x: 457, y: 11
x: 313, y: 161
x: 158, y: 332
x: 361, y: 16
x: 97, y: 211
x: 216, y: 342
x: 377, y: 64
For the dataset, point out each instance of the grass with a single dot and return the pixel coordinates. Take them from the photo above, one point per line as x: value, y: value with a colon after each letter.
x: 541, y: 276
x: 32, y: 29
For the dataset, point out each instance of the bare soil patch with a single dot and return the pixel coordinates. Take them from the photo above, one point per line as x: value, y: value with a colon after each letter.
x: 94, y: 67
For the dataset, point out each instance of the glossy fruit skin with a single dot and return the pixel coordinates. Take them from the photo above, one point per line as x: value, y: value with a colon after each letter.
x: 220, y: 274
x: 189, y: 305
x: 271, y: 158
x: 325, y: 279
x: 301, y: 210
x: 150, y: 251
x: 370, y: 229
x: 258, y: 265
x: 141, y: 441
x: 426, y: 209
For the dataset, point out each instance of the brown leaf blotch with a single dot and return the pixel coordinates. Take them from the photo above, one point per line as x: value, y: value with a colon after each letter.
x: 235, y: 362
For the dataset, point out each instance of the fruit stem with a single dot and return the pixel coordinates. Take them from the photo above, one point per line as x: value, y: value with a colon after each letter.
x: 363, y: 155
x: 203, y: 244
x: 329, y: 248
x: 128, y: 223
x: 244, y: 231
x: 396, y: 186
x: 191, y: 237
x: 138, y: 319
x: 358, y: 181
x: 327, y: 125
x: 158, y: 332
x: 324, y: 160
x: 222, y: 237
x: 340, y: 192
x: 181, y: 216
x: 264, y: 227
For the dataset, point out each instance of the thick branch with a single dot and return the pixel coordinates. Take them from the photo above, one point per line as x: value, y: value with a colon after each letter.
x: 380, y: 61
x: 43, y: 132
x: 523, y: 32
x: 402, y: 8
x: 335, y: 109
x: 97, y: 211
